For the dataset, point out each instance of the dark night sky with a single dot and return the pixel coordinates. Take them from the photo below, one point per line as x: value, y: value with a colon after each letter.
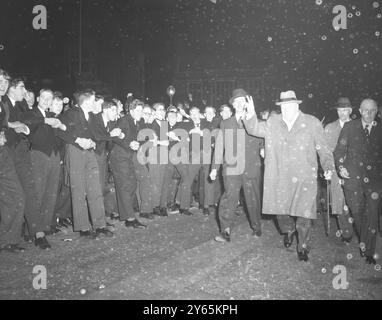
x: 291, y: 43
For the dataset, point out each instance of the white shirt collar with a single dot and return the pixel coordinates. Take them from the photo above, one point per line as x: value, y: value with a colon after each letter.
x: 104, y: 121
x: 42, y: 111
x: 291, y: 123
x: 13, y: 102
x: 342, y: 123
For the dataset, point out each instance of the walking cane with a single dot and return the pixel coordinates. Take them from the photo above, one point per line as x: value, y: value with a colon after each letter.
x: 328, y: 206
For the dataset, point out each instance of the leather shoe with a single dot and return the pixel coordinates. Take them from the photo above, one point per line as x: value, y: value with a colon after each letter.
x: 42, y: 243
x: 88, y: 234
x: 303, y: 255
x: 288, y: 239
x: 256, y: 233
x: 370, y: 260
x: 174, y: 208
x: 345, y: 240
x: 156, y: 211
x: 12, y: 248
x: 163, y: 212
x: 104, y: 231
x: 225, y: 236
x: 186, y: 212
x: 146, y: 215
x: 135, y: 224
x: 114, y: 216
x: 53, y: 230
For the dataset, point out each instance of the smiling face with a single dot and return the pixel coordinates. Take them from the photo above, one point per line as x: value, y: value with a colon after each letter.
x: 57, y: 106
x: 4, y: 83
x: 209, y: 113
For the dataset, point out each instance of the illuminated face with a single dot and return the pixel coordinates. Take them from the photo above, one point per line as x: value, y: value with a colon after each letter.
x: 57, y: 106
x: 137, y: 113
x: 89, y: 103
x: 239, y: 104
x: 18, y: 92
x: 98, y: 106
x: 30, y: 99
x: 146, y: 114
x: 368, y: 110
x: 195, y: 115
x: 111, y: 113
x: 172, y: 118
x: 4, y: 83
x: 226, y: 113
x: 209, y: 114
x: 45, y: 100
x: 344, y: 114
x: 160, y: 112
x: 289, y: 110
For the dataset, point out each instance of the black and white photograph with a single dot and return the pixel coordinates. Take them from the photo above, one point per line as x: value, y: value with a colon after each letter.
x: 190, y: 155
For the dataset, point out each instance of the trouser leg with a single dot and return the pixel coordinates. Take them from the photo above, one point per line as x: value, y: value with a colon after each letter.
x: 12, y: 201
x: 304, y: 230
x: 21, y: 157
x: 228, y: 201
x: 251, y: 187
x: 356, y: 201
x: 125, y: 182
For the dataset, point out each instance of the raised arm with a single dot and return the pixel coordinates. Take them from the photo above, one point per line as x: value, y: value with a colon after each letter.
x: 252, y: 125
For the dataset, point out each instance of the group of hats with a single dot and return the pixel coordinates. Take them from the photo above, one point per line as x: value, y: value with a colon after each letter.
x: 285, y: 97
x: 290, y: 97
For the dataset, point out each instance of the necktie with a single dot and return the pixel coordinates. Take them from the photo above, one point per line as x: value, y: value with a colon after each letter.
x: 367, y: 132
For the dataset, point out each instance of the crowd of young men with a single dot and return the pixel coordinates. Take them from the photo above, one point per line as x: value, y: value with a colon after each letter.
x: 56, y: 166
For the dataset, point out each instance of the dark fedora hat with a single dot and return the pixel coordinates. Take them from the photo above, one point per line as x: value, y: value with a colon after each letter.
x: 343, y: 102
x: 237, y: 93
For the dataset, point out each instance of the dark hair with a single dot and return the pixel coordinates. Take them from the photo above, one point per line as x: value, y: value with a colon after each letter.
x: 99, y: 97
x: 15, y: 81
x: 135, y: 104
x: 225, y: 106
x: 194, y: 107
x: 57, y: 95
x: 46, y: 90
x: 5, y: 74
x: 156, y: 105
x: 108, y: 103
x: 85, y: 95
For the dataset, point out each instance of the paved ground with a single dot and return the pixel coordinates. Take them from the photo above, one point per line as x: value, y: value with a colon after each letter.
x: 177, y: 258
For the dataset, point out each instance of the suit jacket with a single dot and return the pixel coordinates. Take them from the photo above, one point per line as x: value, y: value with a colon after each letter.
x: 233, y: 144
x: 101, y: 133
x: 76, y: 126
x: 12, y: 114
x: 130, y: 129
x: 42, y: 137
x: 360, y: 155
